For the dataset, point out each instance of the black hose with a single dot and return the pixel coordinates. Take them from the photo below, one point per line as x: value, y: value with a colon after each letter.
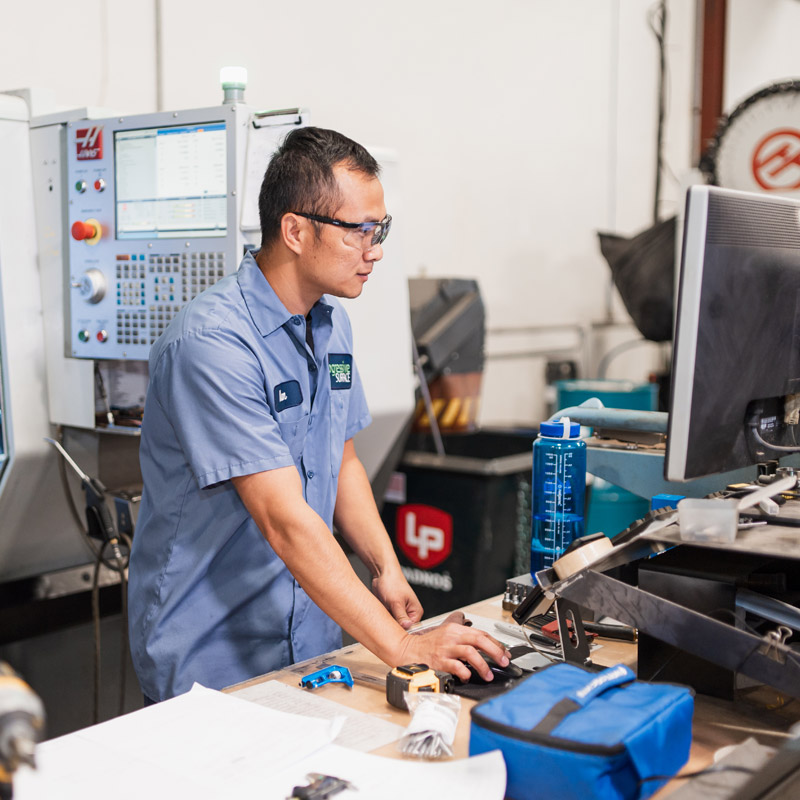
x: 124, y: 643
x: 658, y: 24
x: 96, y: 625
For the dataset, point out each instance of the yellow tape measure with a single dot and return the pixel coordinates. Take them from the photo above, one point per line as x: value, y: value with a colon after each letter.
x: 415, y: 678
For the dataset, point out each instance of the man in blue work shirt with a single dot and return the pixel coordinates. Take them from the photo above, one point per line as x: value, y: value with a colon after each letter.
x: 248, y: 459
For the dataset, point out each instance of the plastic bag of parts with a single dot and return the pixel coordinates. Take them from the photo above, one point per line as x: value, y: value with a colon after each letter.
x: 434, y: 717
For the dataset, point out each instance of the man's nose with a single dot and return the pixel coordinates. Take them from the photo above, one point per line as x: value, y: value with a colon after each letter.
x: 374, y: 253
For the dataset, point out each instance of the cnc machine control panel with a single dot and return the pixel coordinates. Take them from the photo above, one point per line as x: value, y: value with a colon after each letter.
x: 152, y: 222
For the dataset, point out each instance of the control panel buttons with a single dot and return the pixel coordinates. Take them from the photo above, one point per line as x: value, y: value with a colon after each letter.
x: 80, y: 187
x: 92, y: 286
x: 83, y: 335
x: 99, y: 185
x: 102, y: 336
x: 88, y: 231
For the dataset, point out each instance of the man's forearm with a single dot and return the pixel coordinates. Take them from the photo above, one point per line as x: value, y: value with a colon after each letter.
x: 357, y: 519
x: 303, y: 542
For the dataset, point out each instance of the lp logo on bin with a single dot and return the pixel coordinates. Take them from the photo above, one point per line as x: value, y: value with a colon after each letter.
x: 424, y: 534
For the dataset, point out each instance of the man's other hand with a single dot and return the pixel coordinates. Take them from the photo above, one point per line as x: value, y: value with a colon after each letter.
x: 392, y: 589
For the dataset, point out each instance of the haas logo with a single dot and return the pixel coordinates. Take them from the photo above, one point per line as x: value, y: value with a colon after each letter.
x: 424, y: 534
x: 89, y: 142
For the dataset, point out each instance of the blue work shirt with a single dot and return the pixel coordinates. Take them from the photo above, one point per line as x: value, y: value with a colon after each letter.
x: 234, y: 390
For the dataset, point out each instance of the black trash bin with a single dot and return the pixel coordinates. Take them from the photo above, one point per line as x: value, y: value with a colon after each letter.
x: 460, y: 523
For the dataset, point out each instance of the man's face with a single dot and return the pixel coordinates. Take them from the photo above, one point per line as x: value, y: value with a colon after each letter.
x: 338, y: 262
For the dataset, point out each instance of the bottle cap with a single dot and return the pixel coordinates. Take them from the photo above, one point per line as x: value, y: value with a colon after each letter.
x: 555, y: 429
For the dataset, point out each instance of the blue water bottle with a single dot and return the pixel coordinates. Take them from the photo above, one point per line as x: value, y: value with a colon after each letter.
x: 559, y: 487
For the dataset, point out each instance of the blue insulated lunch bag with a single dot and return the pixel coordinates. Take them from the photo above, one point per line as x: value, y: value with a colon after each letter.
x: 566, y: 732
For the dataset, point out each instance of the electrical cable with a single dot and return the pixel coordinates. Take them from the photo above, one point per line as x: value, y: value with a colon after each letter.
x: 76, y: 516
x: 101, y: 388
x: 553, y: 651
x: 124, y: 642
x: 74, y: 512
x: 119, y: 564
x: 757, y: 436
x: 658, y: 24
x: 554, y: 654
x: 613, y: 142
x: 122, y: 565
x: 96, y: 628
x: 615, y: 351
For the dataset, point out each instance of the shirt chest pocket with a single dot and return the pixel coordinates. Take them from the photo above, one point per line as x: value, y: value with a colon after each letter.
x: 291, y: 414
x: 293, y: 424
x: 339, y: 410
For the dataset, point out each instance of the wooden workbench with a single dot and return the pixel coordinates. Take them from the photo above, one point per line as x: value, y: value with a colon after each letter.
x: 763, y: 713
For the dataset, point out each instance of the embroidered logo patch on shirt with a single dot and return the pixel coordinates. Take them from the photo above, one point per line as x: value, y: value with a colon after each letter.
x: 341, y: 369
x: 287, y: 395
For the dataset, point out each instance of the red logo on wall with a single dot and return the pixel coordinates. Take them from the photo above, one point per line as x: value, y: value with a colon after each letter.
x: 424, y: 534
x: 89, y: 142
x: 776, y: 161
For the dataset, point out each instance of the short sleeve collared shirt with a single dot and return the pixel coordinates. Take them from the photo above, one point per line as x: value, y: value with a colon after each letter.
x: 234, y: 389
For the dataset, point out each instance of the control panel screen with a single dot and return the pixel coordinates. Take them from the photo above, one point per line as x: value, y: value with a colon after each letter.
x: 171, y: 182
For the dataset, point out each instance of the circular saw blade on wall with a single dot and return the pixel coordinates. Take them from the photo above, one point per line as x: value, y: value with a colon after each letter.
x: 757, y: 147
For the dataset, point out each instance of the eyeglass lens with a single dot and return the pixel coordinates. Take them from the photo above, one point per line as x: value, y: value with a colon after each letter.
x: 369, y: 234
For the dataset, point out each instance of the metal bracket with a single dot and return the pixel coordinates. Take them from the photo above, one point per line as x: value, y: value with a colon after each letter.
x: 703, y: 636
x: 282, y: 116
x: 574, y: 644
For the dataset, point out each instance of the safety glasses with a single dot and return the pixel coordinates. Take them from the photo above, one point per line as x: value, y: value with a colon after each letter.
x: 367, y: 234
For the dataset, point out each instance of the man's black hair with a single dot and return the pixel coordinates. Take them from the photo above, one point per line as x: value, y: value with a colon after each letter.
x: 300, y: 177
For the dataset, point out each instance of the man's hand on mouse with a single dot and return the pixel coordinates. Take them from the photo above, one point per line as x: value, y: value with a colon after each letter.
x: 447, y: 646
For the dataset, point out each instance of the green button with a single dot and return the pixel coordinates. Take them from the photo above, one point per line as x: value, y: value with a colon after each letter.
x: 83, y: 336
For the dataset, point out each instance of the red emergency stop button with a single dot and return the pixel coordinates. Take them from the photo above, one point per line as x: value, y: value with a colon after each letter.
x: 85, y: 230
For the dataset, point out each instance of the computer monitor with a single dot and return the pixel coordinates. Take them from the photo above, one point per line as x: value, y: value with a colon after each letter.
x: 171, y: 182
x: 736, y: 353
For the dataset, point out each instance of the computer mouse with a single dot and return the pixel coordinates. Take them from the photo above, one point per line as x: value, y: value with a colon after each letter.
x: 511, y: 672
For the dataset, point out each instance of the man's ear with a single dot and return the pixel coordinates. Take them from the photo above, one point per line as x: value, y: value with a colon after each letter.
x: 293, y: 232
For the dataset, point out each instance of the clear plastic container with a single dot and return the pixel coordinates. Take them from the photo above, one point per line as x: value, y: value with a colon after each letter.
x: 559, y: 488
x: 708, y: 520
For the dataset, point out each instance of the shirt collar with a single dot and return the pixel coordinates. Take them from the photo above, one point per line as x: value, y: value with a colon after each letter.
x: 266, y: 310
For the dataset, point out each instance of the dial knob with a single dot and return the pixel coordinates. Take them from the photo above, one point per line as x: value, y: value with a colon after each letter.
x: 92, y: 286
